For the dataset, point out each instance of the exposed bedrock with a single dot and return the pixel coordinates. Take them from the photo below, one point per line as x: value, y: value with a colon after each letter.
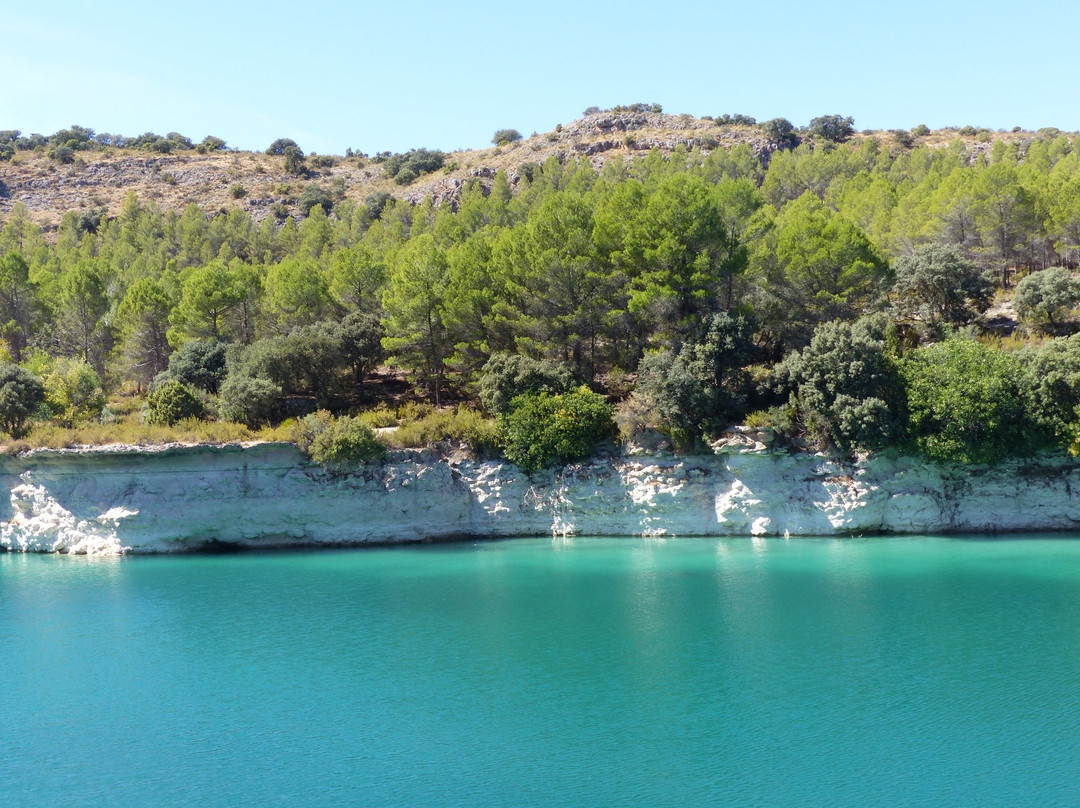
x: 185, y: 498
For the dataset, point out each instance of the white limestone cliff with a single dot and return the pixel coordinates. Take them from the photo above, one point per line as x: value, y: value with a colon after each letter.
x: 176, y: 499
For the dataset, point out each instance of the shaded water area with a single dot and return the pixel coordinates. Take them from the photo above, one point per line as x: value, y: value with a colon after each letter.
x: 886, y: 671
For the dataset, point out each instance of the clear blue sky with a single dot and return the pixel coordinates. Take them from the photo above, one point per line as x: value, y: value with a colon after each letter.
x: 378, y: 76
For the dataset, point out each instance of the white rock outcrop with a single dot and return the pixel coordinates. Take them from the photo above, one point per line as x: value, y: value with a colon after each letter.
x: 186, y: 498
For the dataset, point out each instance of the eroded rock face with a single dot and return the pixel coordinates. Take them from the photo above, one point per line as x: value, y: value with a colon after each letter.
x: 183, y: 498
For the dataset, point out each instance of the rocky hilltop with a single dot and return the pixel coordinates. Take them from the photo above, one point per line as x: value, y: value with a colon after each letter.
x: 178, y: 499
x: 99, y: 181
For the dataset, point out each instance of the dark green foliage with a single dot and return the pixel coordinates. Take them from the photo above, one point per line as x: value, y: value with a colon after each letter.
x: 338, y: 443
x: 21, y: 393
x: 305, y: 362
x: 279, y: 146
x: 413, y: 163
x: 198, y: 363
x: 321, y: 161
x: 506, y: 136
x: 62, y: 154
x: 171, y: 403
x: 315, y: 195
x: 836, y: 128
x: 180, y: 142
x: 375, y: 203
x: 1046, y: 299
x: 31, y: 142
x: 312, y: 367
x: 19, y: 307
x: 940, y: 283
x: 542, y: 429
x: 965, y: 403
x: 294, y: 161
x: 1052, y: 387
x: 702, y: 388
x: 781, y: 132
x: 506, y: 376
x: 148, y: 141
x: 7, y: 151
x: 922, y: 130
x: 735, y: 120
x: 528, y: 171
x: 360, y: 343
x: 210, y: 144
x: 820, y: 267
x: 637, y: 107
x: 847, y: 387
x: 250, y: 400
x: 903, y: 137
x: 89, y: 221
x: 77, y: 138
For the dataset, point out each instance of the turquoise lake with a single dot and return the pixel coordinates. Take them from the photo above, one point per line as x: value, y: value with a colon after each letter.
x: 586, y: 672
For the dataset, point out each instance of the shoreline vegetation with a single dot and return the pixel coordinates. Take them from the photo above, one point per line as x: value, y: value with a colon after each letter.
x: 634, y: 278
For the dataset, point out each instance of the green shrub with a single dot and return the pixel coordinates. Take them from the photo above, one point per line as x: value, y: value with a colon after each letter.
x: 781, y: 132
x: 1047, y: 298
x: 542, y: 429
x: 198, y: 363
x: 836, y: 128
x: 380, y: 417
x: 279, y: 146
x: 414, y: 410
x: 339, y: 443
x: 703, y: 387
x: 72, y: 391
x: 462, y: 425
x: 21, y: 393
x: 172, y: 402
x: 314, y: 195
x: 294, y: 161
x: 210, y: 144
x: 846, y: 386
x: 965, y: 403
x: 506, y: 136
x: 249, y: 400
x: 415, y: 162
x: 1052, y: 388
x: 62, y: 154
x: 505, y: 376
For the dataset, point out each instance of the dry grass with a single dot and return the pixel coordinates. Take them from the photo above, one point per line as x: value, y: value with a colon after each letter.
x: 127, y: 429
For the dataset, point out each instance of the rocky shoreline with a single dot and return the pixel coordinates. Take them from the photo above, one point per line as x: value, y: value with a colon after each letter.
x: 116, y: 500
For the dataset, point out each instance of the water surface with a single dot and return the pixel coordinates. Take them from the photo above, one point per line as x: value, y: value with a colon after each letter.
x: 898, y: 671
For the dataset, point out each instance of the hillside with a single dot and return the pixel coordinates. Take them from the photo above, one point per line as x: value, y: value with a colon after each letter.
x: 840, y: 290
x: 258, y: 182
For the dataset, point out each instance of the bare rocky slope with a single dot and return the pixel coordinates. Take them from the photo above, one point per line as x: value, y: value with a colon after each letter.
x: 259, y: 184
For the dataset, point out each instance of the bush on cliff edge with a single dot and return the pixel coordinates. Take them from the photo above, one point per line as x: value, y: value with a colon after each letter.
x: 543, y: 429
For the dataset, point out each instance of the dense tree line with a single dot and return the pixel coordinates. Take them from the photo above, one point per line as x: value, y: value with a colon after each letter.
x: 722, y: 283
